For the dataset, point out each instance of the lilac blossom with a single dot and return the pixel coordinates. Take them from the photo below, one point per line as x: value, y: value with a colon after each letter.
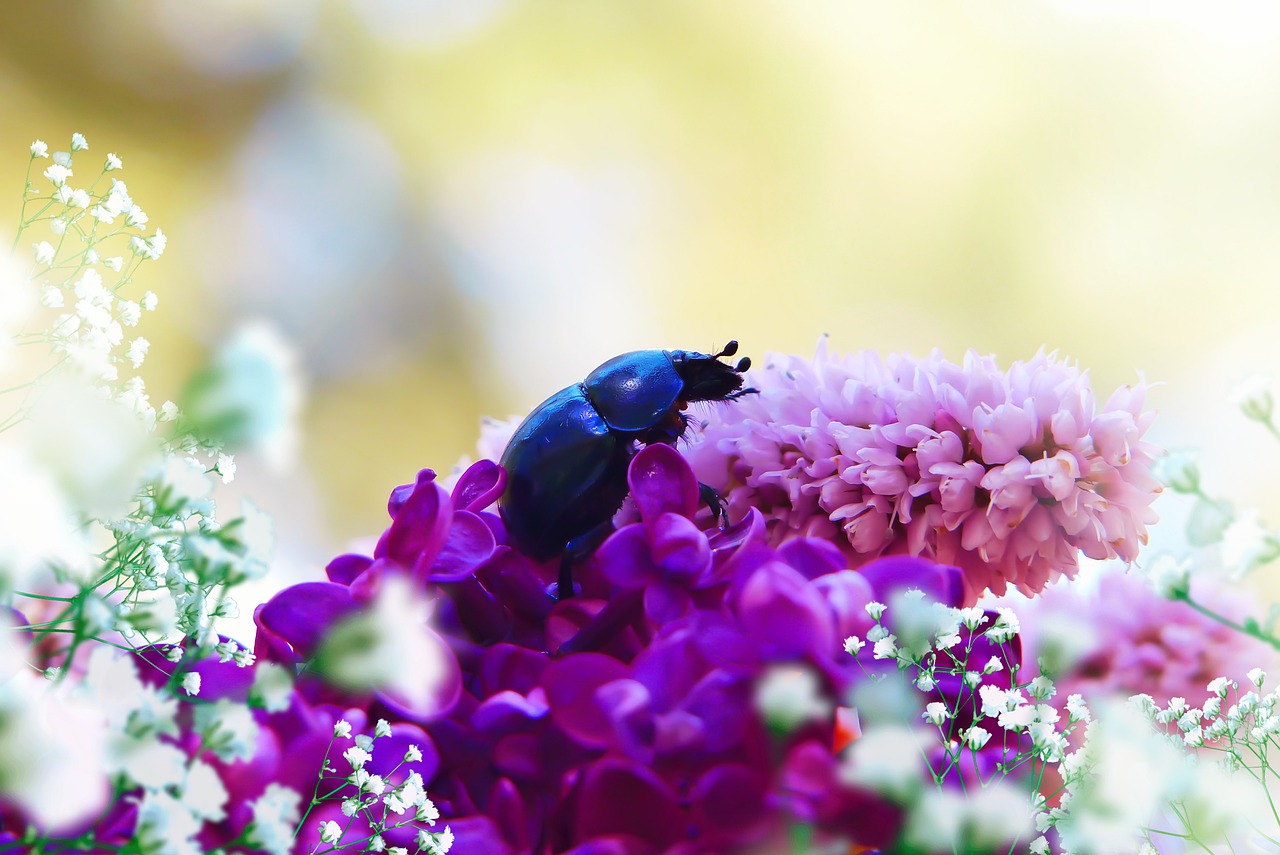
x: 1009, y: 475
x: 624, y: 718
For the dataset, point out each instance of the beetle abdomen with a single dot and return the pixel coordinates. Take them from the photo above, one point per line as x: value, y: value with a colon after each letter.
x: 562, y: 469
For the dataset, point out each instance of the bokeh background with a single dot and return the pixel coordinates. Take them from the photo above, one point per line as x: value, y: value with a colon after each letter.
x: 452, y: 209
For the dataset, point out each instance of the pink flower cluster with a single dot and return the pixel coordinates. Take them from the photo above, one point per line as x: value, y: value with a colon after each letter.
x: 1131, y: 639
x: 1006, y: 474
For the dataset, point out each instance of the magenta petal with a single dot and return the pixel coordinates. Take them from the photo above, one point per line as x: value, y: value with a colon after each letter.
x: 940, y: 582
x: 300, y: 615
x: 625, y: 559
x: 679, y: 548
x: 621, y: 798
x: 785, y: 614
x: 470, y: 543
x: 729, y: 800
x: 571, y: 684
x: 420, y: 526
x: 662, y: 482
x: 365, y: 586
x: 664, y: 602
x: 480, y: 486
x: 506, y: 712
x: 812, y: 557
x: 345, y: 568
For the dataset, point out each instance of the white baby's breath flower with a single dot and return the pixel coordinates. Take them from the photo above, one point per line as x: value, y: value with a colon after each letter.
x: 357, y: 756
x: 885, y: 648
x: 1077, y: 709
x: 381, y: 729
x: 116, y: 262
x: 44, y: 252
x: 976, y: 737
x: 787, y: 696
x: 226, y: 468
x: 342, y: 729
x: 875, y: 609
x: 62, y: 158
x: 51, y: 297
x: 935, y: 713
x: 1246, y: 545
x: 330, y: 832
x: 113, y: 162
x: 413, y: 754
x: 1253, y: 397
x: 39, y: 148
x: 1005, y: 627
x: 57, y: 173
x: 1257, y: 676
x: 78, y: 142
x: 81, y: 199
x: 191, y: 683
x: 853, y: 644
x: 168, y: 412
x: 137, y: 352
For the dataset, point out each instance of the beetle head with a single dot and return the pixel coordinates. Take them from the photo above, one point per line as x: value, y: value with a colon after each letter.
x: 706, y: 378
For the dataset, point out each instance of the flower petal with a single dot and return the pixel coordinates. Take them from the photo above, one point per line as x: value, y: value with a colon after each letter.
x: 480, y: 486
x: 662, y: 482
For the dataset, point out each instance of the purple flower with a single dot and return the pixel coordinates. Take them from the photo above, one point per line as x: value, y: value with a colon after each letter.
x: 623, y: 719
x: 1007, y: 474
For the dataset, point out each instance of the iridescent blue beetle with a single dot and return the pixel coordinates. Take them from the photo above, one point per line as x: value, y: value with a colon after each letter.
x: 567, y: 462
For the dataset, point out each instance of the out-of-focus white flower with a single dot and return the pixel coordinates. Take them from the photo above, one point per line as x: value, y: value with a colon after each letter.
x: 38, y: 529
x: 887, y: 759
x: 1169, y: 576
x: 1246, y: 545
x: 191, y: 683
x: 137, y: 351
x: 275, y: 816
x: 984, y: 819
x: 389, y: 647
x: 52, y: 745
x: 98, y: 449
x: 44, y: 252
x: 62, y: 158
x: 273, y: 686
x: 113, y: 162
x: 1253, y: 397
x: 787, y: 696
x: 39, y: 148
x: 250, y: 395
x: 166, y: 825
x: 78, y: 142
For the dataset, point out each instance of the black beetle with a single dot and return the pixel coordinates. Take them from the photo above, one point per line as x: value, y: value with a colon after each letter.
x: 567, y: 463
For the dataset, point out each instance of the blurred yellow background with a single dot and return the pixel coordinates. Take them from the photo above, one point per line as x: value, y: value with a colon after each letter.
x: 452, y: 209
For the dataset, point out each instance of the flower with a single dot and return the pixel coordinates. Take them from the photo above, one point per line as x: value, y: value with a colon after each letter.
x: 44, y: 252
x: 78, y: 142
x: 645, y: 706
x: 39, y: 148
x: 113, y: 162
x: 1007, y: 474
x: 1135, y: 640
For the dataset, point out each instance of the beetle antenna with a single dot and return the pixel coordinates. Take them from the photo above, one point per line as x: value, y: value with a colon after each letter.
x: 729, y: 350
x: 743, y: 364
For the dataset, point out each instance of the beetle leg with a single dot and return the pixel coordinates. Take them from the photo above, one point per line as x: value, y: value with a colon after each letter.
x: 711, y: 497
x: 576, y: 550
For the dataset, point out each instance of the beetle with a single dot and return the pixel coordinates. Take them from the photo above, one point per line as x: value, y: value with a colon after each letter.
x: 566, y: 463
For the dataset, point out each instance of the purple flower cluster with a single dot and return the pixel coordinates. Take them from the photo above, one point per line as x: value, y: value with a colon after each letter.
x: 1007, y: 474
x: 622, y: 720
